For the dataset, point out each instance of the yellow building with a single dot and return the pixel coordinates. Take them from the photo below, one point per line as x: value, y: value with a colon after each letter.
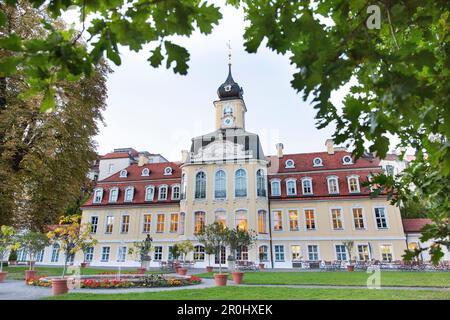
x: 302, y: 206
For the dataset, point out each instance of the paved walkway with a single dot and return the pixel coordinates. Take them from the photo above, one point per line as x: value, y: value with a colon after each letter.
x: 18, y: 290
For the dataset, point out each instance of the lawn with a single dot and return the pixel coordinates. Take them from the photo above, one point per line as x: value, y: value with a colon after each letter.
x: 18, y: 272
x: 388, y: 278
x: 265, y: 293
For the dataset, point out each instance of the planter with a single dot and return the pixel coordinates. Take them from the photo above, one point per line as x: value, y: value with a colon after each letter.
x: 209, y: 269
x: 221, y: 279
x: 261, y: 266
x: 141, y: 270
x: 3, y: 276
x: 238, y: 276
x: 30, y: 274
x: 83, y: 264
x: 31, y: 263
x: 59, y: 286
x: 182, y: 271
x: 12, y: 263
x: 350, y: 267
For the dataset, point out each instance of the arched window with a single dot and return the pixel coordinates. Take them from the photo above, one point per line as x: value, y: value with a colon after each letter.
x: 162, y: 192
x: 260, y: 183
x: 199, y: 253
x: 123, y: 173
x: 221, y: 217
x: 55, y: 253
x: 113, y: 194
x: 167, y: 171
x: 263, y: 253
x: 149, y: 193
x: 129, y: 192
x: 242, y: 253
x: 181, y: 223
x: 262, y: 221
x: 200, y: 185
x: 145, y: 172
x: 199, y: 222
x: 183, y: 186
x: 291, y: 187
x: 276, y: 188
x: 240, y: 189
x: 333, y: 186
x: 175, y: 192
x: 307, y: 187
x: 241, y: 220
x: 220, y: 184
x: 98, y: 195
x: 353, y: 184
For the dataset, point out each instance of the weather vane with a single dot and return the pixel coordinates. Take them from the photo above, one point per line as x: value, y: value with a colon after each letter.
x: 229, y: 52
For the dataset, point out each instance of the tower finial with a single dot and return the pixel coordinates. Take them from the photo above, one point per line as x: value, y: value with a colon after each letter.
x: 229, y: 52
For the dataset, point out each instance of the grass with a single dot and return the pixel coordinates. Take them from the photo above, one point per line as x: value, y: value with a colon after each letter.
x: 265, y: 293
x: 420, y: 279
x: 18, y: 272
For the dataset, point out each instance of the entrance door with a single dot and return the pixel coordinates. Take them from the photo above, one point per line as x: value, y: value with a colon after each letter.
x: 222, y: 256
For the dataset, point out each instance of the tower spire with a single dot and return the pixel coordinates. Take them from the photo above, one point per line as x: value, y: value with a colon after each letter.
x: 229, y: 54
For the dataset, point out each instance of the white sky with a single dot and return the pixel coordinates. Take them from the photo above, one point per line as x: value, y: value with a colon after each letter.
x: 158, y: 111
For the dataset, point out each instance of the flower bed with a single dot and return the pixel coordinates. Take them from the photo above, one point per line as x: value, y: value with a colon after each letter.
x: 107, y: 281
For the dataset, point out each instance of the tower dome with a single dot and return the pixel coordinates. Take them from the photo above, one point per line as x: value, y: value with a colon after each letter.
x: 230, y: 89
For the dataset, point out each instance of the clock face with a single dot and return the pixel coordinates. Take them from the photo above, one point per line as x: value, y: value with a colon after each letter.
x: 228, y: 121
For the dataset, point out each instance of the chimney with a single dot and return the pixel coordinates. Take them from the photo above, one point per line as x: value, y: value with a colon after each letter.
x: 142, y: 160
x: 330, y: 146
x: 184, y: 155
x: 279, y: 150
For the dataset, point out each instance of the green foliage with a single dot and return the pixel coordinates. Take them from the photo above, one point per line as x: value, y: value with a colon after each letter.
x: 8, y: 242
x: 141, y: 249
x: 238, y: 238
x: 185, y: 247
x: 33, y: 242
x: 175, y: 251
x: 216, y: 236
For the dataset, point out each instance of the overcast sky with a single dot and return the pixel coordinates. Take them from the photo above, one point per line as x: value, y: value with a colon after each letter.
x: 158, y: 111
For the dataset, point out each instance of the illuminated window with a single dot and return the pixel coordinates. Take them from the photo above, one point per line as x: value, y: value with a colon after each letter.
x: 221, y: 217
x: 125, y: 224
x: 146, y: 227
x: 242, y: 253
x: 413, y: 246
x: 174, y: 222
x: 353, y: 184
x: 181, y: 223
x: 296, y: 253
x: 200, y: 222
x: 386, y: 252
x: 310, y: 219
x: 363, y: 252
x: 277, y: 220
x: 109, y: 224
x: 336, y: 219
x: 241, y: 220
x: 262, y: 221
x: 358, y: 218
x: 160, y: 220
x: 293, y: 219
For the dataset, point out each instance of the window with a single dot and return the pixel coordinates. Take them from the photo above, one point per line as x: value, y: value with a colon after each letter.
x: 277, y: 220
x: 199, y: 253
x: 317, y: 162
x: 240, y: 188
x: 296, y: 253
x: 291, y: 187
x: 162, y: 195
x: 358, y: 218
x: 175, y: 192
x: 260, y: 183
x: 111, y: 168
x: 160, y: 220
x: 181, y: 223
x: 105, y: 254
x: 386, y: 252
x: 89, y: 254
x: 183, y: 186
x: 353, y: 184
x: 22, y: 255
x: 149, y: 193
x: 220, y: 184
x: 122, y: 254
x: 125, y: 224
x: 380, y: 218
x: 279, y: 253
x: 241, y: 220
x: 227, y: 110
x: 333, y: 185
x: 262, y: 221
x: 293, y: 219
x: 390, y: 170
x: 336, y: 219
x: 145, y: 172
x: 98, y: 195
x: 307, y: 187
x: 109, y: 224
x: 242, y: 253
x: 40, y: 256
x: 123, y: 173
x: 363, y: 252
x: 341, y: 253
x: 199, y: 221
x: 289, y: 164
x: 221, y: 256
x: 200, y: 185
x: 174, y: 222
x: 276, y: 188
x: 310, y: 219
x: 147, y: 223
x: 158, y: 253
x: 129, y: 192
x: 263, y: 253
x: 346, y: 160
x: 94, y: 224
x: 113, y: 194
x: 221, y: 217
x: 168, y: 171
x: 413, y: 246
x: 313, y: 252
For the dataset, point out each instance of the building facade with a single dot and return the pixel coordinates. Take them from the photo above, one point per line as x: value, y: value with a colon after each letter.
x: 302, y: 206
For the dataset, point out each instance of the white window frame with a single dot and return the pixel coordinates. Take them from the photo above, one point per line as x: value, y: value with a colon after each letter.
x: 168, y: 171
x: 342, y: 218
x: 336, y: 253
x: 318, y: 251
x: 146, y: 193
x: 273, y: 219
x: 123, y: 173
x: 215, y: 184
x: 289, y: 218
x: 287, y: 166
x: 106, y: 253
x: 160, y: 188
x: 235, y: 185
x: 200, y: 191
x: 347, y: 163
x: 266, y: 252
x: 305, y: 220
x: 223, y: 211
x: 336, y: 179
x: 112, y: 224
x: 158, y: 223
x: 320, y: 164
x: 94, y: 226
x: 145, y: 172
x: 363, y: 217
x: 282, y: 252
x: 353, y: 176
x: 304, y: 179
x: 299, y: 253
x: 148, y: 224
x: 111, y: 198
x: 385, y: 217
x: 125, y: 197
x: 122, y: 223
x: 264, y: 181
x: 194, y: 220
x: 98, y: 190
x: 124, y: 254
x: 272, y: 182
x: 287, y: 186
x: 265, y: 225
x: 196, y: 253
x: 391, y: 250
x: 181, y: 223
x: 176, y: 224
x: 357, y: 245
x: 54, y: 254
x: 245, y: 211
x: 89, y: 254
x: 173, y: 197
x: 158, y: 252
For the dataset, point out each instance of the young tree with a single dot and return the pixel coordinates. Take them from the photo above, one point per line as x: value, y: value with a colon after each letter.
x: 71, y: 235
x: 7, y: 243
x: 185, y: 247
x: 175, y: 252
x: 215, y: 235
x: 237, y: 239
x: 349, y: 247
x: 33, y: 243
x: 142, y: 251
x: 85, y: 246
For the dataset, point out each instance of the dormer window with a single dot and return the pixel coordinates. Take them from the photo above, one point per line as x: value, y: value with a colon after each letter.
x: 333, y: 186
x: 346, y: 160
x: 317, y: 162
x: 353, y: 184
x: 123, y: 173
x: 149, y: 193
x: 98, y: 195
x: 145, y: 172
x: 113, y: 194
x: 289, y: 164
x: 162, y: 192
x: 307, y: 187
x: 227, y: 88
x: 176, y: 192
x: 129, y: 193
x: 275, y: 187
x: 291, y: 187
x: 167, y: 171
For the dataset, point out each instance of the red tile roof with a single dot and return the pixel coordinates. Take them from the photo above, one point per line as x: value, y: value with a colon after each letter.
x: 414, y: 225
x: 134, y: 172
x: 116, y: 155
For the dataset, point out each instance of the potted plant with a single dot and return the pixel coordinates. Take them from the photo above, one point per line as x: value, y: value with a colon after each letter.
x: 349, y: 247
x: 33, y: 243
x: 175, y: 253
x: 142, y: 250
x: 185, y: 247
x: 7, y: 243
x: 84, y: 249
x: 12, y: 260
x: 71, y: 235
x: 239, y: 238
x: 216, y: 235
